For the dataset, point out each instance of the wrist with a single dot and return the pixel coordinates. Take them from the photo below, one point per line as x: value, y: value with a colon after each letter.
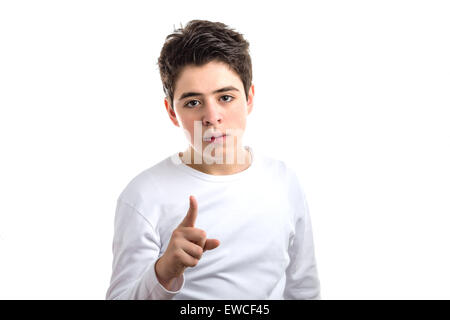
x: 165, y: 280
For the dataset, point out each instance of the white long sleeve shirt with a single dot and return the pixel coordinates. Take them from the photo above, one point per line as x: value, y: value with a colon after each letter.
x: 260, y: 215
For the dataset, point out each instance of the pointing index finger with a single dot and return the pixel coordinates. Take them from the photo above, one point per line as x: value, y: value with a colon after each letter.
x: 191, y: 216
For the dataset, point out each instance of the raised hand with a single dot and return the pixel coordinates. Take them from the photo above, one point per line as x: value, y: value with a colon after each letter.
x: 185, y: 249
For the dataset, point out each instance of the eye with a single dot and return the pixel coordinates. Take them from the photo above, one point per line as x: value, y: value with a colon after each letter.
x: 228, y: 100
x: 188, y: 104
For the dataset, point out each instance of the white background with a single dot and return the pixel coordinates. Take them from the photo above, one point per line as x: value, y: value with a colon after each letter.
x: 353, y: 94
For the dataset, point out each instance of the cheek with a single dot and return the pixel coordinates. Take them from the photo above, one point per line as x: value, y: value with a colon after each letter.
x: 239, y: 119
x: 187, y: 125
x: 188, y: 130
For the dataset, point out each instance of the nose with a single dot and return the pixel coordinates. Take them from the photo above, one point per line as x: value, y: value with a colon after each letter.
x: 212, y: 114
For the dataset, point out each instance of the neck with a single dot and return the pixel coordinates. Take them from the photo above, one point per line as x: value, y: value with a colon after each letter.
x: 217, y: 169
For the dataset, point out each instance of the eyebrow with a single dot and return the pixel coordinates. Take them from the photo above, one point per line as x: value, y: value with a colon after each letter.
x: 191, y: 94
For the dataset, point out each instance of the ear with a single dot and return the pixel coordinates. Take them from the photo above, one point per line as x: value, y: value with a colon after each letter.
x: 251, y: 94
x: 172, y: 115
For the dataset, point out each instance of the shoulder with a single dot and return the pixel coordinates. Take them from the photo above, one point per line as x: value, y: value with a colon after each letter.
x: 284, y: 171
x: 273, y: 165
x: 147, y: 186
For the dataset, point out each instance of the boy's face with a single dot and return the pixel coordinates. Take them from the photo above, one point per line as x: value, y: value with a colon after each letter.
x: 199, y: 110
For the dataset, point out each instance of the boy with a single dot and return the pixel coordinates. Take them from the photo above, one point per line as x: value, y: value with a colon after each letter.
x: 219, y: 220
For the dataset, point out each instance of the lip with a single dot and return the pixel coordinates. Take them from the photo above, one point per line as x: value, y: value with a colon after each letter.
x: 216, y: 139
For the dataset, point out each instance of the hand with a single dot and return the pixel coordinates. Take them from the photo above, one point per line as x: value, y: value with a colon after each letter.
x: 186, y: 247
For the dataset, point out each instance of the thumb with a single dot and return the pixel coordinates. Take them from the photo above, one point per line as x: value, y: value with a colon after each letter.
x: 211, y: 244
x: 191, y: 216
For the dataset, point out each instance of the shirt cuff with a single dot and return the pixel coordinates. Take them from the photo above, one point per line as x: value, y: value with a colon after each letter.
x: 157, y: 290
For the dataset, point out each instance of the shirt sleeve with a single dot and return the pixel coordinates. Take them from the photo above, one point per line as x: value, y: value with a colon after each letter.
x: 302, y: 281
x: 136, y: 249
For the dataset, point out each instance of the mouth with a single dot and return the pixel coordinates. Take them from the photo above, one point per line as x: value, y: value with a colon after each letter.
x: 216, y: 138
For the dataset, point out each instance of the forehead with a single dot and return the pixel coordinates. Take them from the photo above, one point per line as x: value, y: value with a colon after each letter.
x: 207, y: 78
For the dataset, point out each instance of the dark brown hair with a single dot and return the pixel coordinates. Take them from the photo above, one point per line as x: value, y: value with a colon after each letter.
x: 198, y: 43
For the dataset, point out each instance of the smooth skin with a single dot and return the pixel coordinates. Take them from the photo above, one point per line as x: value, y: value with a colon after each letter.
x: 186, y: 247
x: 217, y: 112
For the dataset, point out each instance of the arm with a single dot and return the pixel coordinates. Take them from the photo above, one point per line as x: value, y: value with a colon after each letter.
x: 136, y: 248
x: 302, y: 281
